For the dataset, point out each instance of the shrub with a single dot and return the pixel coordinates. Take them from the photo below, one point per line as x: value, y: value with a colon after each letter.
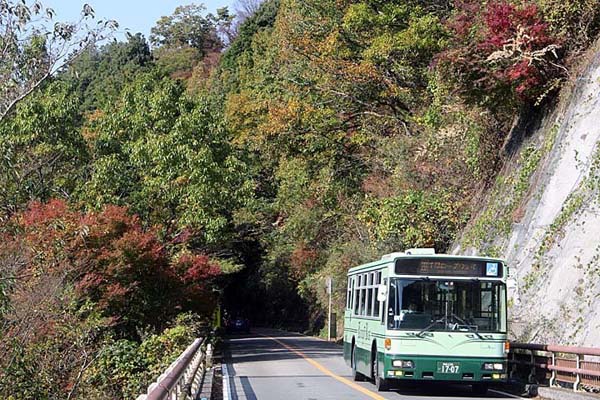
x: 502, y: 51
x: 413, y: 219
x: 113, y: 261
x: 75, y: 278
x: 575, y: 22
x: 124, y: 367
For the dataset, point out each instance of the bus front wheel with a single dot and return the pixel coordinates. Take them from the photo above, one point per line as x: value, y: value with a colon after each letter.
x: 357, y: 376
x: 381, y: 383
x: 479, y: 389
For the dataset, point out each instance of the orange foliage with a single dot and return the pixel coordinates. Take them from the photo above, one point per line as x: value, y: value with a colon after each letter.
x: 303, y: 261
x: 87, y: 131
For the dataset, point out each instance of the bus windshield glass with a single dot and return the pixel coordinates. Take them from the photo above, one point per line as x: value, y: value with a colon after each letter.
x: 446, y: 305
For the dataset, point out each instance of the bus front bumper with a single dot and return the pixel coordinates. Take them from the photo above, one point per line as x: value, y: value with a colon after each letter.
x: 445, y: 368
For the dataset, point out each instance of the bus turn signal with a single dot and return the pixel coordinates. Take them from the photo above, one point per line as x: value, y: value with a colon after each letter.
x: 387, y: 343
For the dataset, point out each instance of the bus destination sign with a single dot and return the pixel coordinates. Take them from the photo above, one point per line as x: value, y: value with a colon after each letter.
x: 448, y: 267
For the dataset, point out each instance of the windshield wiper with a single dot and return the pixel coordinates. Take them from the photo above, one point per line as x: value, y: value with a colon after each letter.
x: 466, y: 325
x: 428, y: 327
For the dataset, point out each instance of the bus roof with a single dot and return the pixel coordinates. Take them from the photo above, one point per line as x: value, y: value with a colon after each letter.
x: 391, y: 258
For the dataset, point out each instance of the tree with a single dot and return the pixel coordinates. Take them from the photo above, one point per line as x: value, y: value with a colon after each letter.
x: 100, y: 73
x: 178, y: 62
x: 246, y: 8
x: 44, y: 153
x: 262, y: 20
x: 327, y: 96
x: 78, y: 278
x: 32, y: 52
x: 168, y: 157
x: 187, y: 37
x: 187, y: 27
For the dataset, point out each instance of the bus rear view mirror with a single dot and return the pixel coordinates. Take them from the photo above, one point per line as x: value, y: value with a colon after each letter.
x: 381, y: 292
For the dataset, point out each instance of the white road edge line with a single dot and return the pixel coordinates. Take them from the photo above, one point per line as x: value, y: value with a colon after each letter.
x: 506, y: 394
x: 225, y: 377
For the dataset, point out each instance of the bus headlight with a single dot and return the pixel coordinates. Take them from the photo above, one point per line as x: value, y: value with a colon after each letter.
x: 493, y: 366
x: 403, y: 364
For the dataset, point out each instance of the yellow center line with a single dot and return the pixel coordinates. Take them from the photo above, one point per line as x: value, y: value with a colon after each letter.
x: 326, y: 371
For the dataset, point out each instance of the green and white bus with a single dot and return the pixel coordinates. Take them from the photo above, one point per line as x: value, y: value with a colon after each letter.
x: 423, y: 316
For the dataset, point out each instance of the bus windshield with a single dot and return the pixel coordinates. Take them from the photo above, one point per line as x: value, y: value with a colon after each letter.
x: 446, y: 305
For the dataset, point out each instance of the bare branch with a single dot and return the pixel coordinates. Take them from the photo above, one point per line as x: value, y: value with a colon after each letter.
x: 32, y: 49
x: 21, y: 96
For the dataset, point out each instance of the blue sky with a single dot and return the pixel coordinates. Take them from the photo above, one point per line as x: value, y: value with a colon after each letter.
x: 137, y: 15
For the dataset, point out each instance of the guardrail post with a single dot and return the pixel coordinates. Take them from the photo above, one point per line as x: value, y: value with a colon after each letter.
x: 577, y: 375
x: 553, y: 377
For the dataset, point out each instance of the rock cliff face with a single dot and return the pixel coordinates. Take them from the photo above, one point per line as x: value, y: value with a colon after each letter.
x: 543, y: 217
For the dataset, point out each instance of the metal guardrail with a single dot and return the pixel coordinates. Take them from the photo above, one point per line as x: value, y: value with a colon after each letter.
x: 183, y: 379
x: 557, y: 364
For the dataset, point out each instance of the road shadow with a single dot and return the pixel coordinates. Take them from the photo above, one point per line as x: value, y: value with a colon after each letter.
x: 243, y: 348
x: 248, y: 392
x: 430, y: 390
x: 258, y: 346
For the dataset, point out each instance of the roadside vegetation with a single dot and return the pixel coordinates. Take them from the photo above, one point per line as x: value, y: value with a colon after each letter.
x: 243, y: 160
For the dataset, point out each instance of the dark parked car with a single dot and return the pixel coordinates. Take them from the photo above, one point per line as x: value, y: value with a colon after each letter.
x: 238, y: 324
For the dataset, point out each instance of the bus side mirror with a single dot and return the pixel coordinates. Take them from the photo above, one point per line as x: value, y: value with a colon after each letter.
x: 381, y: 292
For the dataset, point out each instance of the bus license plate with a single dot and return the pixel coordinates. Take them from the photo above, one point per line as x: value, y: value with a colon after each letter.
x: 448, y: 368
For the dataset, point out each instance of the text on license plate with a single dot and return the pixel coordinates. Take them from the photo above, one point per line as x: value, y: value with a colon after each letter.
x: 448, y: 367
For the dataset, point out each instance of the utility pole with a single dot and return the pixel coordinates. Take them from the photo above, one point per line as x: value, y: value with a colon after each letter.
x: 329, y: 292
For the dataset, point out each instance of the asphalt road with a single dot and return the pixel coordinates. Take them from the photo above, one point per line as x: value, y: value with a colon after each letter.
x: 274, y: 365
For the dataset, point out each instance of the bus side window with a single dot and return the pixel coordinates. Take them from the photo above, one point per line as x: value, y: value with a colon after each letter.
x: 383, y: 305
x: 369, y: 307
x: 352, y: 296
x: 363, y: 295
x: 391, y: 305
x: 349, y: 293
x: 376, y: 302
x: 356, y: 295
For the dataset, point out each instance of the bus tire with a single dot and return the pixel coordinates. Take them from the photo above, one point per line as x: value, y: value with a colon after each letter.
x: 480, y: 389
x: 357, y: 376
x: 381, y: 383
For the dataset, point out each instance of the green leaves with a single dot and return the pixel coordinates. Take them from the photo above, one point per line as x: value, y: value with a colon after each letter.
x: 400, y: 38
x: 100, y: 74
x: 184, y: 39
x: 43, y: 151
x: 169, y: 158
x: 419, y: 219
x: 188, y: 27
x: 125, y: 367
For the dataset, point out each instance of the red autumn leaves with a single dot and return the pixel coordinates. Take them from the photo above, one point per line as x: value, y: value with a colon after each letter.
x: 128, y: 271
x: 502, y: 46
